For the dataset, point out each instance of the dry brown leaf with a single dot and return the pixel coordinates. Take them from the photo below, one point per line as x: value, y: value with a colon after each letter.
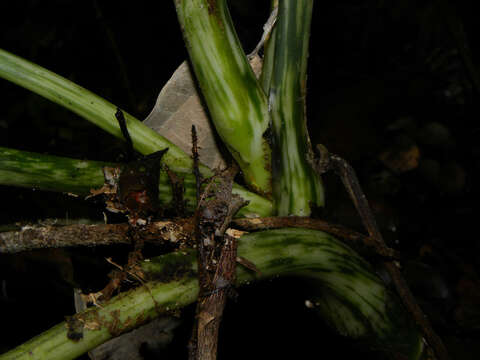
x: 178, y: 106
x: 400, y: 161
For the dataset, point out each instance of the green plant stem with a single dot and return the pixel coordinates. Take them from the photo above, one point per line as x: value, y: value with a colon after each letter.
x: 91, y: 107
x: 50, y: 173
x: 235, y: 100
x: 60, y: 174
x: 296, y: 185
x: 101, y: 113
x: 353, y: 299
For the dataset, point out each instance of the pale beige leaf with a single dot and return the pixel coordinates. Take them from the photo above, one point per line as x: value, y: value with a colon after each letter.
x: 178, y: 106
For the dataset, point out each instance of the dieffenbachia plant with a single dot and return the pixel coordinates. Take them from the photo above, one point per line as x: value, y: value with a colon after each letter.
x: 241, y: 110
x: 262, y: 123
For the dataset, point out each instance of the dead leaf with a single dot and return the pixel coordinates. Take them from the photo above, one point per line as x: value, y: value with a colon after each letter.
x: 178, y: 107
x: 401, y: 160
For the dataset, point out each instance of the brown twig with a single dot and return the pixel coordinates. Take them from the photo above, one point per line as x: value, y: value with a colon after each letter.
x: 32, y: 237
x: 352, y: 185
x: 210, y: 306
x: 360, y: 242
x: 216, y: 261
x: 196, y: 170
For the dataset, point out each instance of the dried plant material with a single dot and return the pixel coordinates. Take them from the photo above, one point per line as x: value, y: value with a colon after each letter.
x: 110, y: 261
x: 178, y: 107
x: 401, y: 160
x: 247, y: 264
x: 267, y: 30
x: 256, y: 63
x: 92, y: 325
x: 216, y: 257
x: 31, y: 237
x: 235, y: 233
x: 110, y: 190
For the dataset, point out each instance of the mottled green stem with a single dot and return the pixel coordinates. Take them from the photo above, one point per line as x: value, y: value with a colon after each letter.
x: 364, y: 308
x: 60, y: 174
x: 235, y: 100
x: 50, y: 173
x: 89, y: 106
x: 102, y: 113
x: 296, y: 185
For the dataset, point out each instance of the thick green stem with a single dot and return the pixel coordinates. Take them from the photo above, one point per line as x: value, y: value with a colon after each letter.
x: 50, y: 173
x: 89, y: 106
x: 102, y: 113
x: 296, y: 185
x: 235, y: 100
x: 54, y: 173
x: 353, y: 299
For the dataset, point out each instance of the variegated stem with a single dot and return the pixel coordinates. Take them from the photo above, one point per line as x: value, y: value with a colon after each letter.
x: 354, y: 300
x: 50, y: 173
x: 296, y: 185
x: 235, y: 100
x: 53, y: 173
x: 102, y: 113
x: 91, y: 107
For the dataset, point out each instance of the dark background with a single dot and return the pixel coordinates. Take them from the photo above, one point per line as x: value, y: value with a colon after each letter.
x: 387, y: 81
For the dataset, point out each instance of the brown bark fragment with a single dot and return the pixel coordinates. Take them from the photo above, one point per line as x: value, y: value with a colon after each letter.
x: 32, y: 237
x: 216, y: 253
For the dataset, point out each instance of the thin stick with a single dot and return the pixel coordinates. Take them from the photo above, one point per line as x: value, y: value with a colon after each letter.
x: 359, y: 241
x: 31, y: 237
x: 267, y: 29
x: 216, y: 258
x: 196, y: 162
x: 352, y: 185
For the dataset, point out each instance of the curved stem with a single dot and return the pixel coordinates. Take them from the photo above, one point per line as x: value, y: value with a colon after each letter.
x: 353, y: 299
x: 89, y: 106
x: 235, y: 99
